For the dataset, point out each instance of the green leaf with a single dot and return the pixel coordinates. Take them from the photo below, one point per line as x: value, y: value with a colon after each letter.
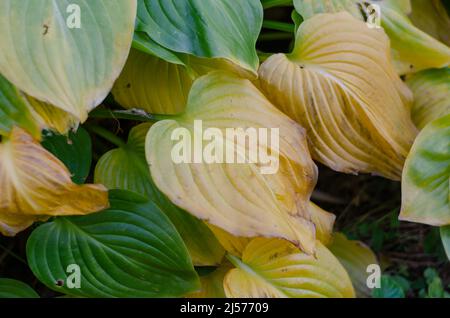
x: 445, y: 236
x: 434, y: 282
x: 390, y: 288
x: 426, y: 176
x: 74, y: 150
x: 49, y: 56
x: 211, y: 29
x: 126, y: 168
x: 128, y: 250
x: 144, y: 43
x: 308, y: 8
x: 14, y: 110
x: 10, y: 288
x: 297, y: 18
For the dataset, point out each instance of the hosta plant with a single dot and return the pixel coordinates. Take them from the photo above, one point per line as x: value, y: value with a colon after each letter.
x: 181, y: 148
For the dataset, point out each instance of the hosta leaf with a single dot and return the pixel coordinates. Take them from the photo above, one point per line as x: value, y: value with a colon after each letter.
x: 445, y: 236
x: 413, y: 49
x: 74, y: 150
x: 211, y: 29
x: 167, y: 93
x: 233, y: 244
x: 413, y: 46
x: 35, y: 184
x: 323, y: 221
x: 125, y: 168
x: 212, y: 283
x: 237, y: 197
x: 144, y: 43
x: 426, y: 178
x: 309, y: 8
x: 18, y: 109
x: 10, y: 288
x: 340, y: 85
x: 431, y: 90
x: 139, y: 87
x: 276, y: 268
x: 297, y: 19
x: 14, y: 111
x: 432, y: 17
x: 129, y: 250
x: 71, y: 68
x: 355, y: 256
x: 53, y: 118
x: 390, y: 288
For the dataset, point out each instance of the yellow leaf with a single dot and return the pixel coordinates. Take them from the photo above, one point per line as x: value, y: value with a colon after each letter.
x: 51, y: 117
x: 237, y: 197
x: 159, y: 87
x: 431, y: 90
x: 432, y: 17
x: 412, y: 49
x: 340, y: 85
x: 356, y: 257
x: 152, y: 84
x: 34, y: 185
x: 232, y: 244
x: 273, y: 268
x: 324, y: 222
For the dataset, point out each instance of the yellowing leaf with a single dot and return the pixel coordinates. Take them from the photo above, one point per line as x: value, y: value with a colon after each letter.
x: 212, y: 283
x: 47, y: 54
x: 272, y: 268
x: 413, y: 50
x: 432, y: 17
x: 426, y: 178
x: 340, y: 85
x: 237, y: 197
x: 152, y: 84
x: 413, y: 47
x: 431, y: 90
x: 34, y: 185
x: 324, y: 222
x: 356, y: 257
x: 232, y: 244
x: 52, y: 117
x: 159, y: 87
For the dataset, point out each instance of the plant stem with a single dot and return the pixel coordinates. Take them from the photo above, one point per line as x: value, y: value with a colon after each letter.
x: 234, y: 260
x: 132, y: 114
x: 279, y: 26
x: 9, y: 252
x: 106, y: 134
x: 267, y: 4
x: 118, y: 114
